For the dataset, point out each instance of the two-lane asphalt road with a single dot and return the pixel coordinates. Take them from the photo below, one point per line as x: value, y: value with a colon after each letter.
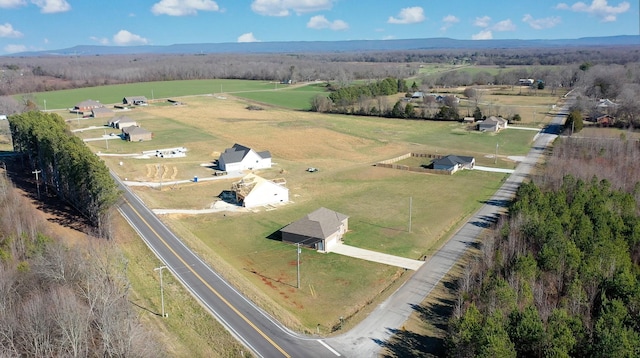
x: 257, y: 330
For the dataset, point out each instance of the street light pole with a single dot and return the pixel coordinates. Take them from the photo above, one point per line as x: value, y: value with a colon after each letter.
x: 298, y: 266
x: 161, y: 289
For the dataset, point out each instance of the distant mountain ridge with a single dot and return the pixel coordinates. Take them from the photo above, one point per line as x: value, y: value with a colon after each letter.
x: 336, y: 46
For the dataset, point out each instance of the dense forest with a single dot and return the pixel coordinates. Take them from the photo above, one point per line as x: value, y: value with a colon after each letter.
x: 560, y: 277
x: 58, y: 301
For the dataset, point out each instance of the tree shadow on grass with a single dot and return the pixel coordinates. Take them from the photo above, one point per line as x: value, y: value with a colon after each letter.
x: 409, y: 344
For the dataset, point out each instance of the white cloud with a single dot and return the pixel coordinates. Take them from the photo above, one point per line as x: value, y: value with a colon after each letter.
x: 320, y: 22
x: 504, y: 25
x: 598, y: 8
x: 285, y: 7
x: 482, y: 35
x: 15, y: 48
x: 482, y: 21
x: 448, y: 21
x: 100, y: 40
x: 543, y: 23
x: 183, y: 7
x: 7, y: 30
x: 124, y: 37
x: 12, y: 3
x: 248, y: 37
x: 408, y: 15
x: 52, y: 6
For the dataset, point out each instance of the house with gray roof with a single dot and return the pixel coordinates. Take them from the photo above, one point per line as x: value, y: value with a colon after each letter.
x: 239, y: 157
x: 86, y: 106
x: 322, y: 230
x: 453, y: 163
x: 492, y: 124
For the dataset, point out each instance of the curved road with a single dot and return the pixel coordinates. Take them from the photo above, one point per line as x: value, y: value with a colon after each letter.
x: 266, y: 337
x: 257, y: 330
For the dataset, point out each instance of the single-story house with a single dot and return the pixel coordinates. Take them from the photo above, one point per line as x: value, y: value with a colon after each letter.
x: 322, y: 230
x: 492, y: 124
x: 135, y: 101
x: 606, y: 103
x: 453, y: 163
x: 101, y: 112
x: 86, y: 106
x: 239, y: 158
x: 417, y: 95
x: 136, y: 134
x: 468, y: 120
x: 121, y: 122
x: 253, y: 191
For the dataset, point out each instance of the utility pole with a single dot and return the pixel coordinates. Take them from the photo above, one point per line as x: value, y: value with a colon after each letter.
x: 36, y: 172
x: 161, y: 289
x: 45, y: 105
x: 106, y: 139
x: 496, y: 156
x: 410, y: 210
x: 298, y: 266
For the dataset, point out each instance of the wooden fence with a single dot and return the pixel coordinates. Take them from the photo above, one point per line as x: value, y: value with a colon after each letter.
x: 389, y: 163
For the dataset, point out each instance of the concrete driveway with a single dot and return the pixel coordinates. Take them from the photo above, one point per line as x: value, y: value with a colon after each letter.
x: 378, y: 257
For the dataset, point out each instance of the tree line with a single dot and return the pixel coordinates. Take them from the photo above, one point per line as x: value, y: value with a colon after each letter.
x: 59, y: 301
x: 560, y: 277
x: 65, y: 164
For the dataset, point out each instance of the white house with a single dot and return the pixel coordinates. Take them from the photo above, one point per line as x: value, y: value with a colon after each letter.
x: 239, y: 157
x: 254, y: 191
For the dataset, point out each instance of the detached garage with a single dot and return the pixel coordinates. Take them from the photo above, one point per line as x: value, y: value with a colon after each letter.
x: 322, y: 230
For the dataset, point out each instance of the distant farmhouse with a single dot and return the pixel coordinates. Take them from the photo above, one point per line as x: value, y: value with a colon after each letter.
x: 121, y: 122
x: 135, y: 101
x: 492, y: 124
x: 239, y: 158
x: 86, y: 106
x: 453, y: 163
x: 254, y: 191
x: 322, y: 230
x: 136, y: 134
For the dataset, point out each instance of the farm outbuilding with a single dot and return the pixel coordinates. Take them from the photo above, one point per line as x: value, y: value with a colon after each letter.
x: 239, y: 157
x: 254, y: 191
x: 322, y: 230
x: 136, y: 134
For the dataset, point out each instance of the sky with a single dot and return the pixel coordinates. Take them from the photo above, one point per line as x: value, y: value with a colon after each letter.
x: 40, y: 25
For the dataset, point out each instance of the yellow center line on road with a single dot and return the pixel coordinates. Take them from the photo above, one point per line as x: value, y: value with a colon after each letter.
x: 209, y: 286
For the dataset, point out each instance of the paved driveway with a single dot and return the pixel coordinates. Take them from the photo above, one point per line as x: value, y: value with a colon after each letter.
x: 378, y: 257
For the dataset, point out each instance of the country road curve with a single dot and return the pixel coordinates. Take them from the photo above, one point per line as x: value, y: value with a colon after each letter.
x: 252, y: 326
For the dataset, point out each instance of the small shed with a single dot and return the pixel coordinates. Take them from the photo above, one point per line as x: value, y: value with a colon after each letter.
x: 136, y: 134
x: 322, y: 230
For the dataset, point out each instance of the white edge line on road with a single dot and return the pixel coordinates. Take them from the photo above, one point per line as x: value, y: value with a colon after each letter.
x: 329, y: 348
